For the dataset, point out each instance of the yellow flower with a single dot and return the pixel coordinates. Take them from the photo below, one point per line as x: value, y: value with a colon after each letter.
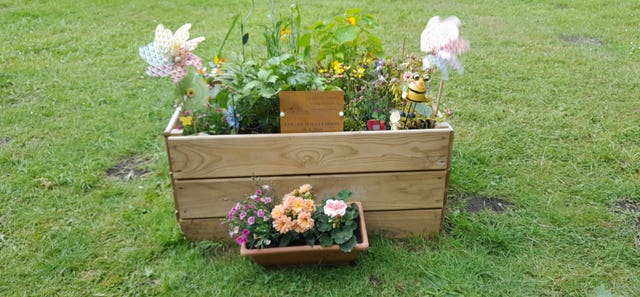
x: 186, y: 121
x: 351, y: 21
x: 338, y: 67
x: 359, y: 72
x: 284, y: 32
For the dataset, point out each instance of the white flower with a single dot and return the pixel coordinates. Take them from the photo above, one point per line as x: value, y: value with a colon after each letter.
x: 335, y: 208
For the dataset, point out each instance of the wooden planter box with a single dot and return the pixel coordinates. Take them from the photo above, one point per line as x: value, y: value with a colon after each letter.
x: 401, y: 177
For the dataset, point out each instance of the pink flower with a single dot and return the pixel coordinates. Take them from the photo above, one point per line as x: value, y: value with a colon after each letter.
x: 245, y: 232
x: 335, y: 208
x: 251, y: 220
x: 241, y: 240
x: 260, y: 213
x: 243, y: 215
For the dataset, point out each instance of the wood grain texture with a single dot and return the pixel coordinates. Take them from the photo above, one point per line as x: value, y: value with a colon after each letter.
x: 223, y: 156
x: 205, y: 229
x: 393, y: 224
x: 404, y: 223
x: 377, y: 191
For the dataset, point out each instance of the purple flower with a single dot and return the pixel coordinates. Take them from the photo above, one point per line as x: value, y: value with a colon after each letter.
x: 260, y: 213
x: 236, y: 207
x: 251, y: 220
x: 379, y: 65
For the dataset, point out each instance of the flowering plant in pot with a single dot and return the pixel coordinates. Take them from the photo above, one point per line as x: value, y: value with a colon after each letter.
x: 296, y: 230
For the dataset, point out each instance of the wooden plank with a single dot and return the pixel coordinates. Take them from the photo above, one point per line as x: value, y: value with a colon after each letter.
x: 377, y: 191
x: 223, y: 156
x: 394, y: 224
x: 205, y: 229
x: 404, y: 223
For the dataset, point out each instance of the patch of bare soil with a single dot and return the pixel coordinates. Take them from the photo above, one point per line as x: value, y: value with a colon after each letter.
x: 479, y: 203
x: 587, y: 40
x: 130, y: 168
x: 629, y: 205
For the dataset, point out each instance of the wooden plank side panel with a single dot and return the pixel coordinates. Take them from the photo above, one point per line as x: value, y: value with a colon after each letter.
x: 377, y: 191
x: 394, y: 224
x: 404, y: 223
x: 223, y: 156
x: 205, y: 229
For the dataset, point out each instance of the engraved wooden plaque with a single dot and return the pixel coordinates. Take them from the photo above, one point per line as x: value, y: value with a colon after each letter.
x: 311, y: 111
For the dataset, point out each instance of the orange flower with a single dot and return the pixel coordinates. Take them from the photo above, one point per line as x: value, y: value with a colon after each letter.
x: 283, y: 224
x: 305, y: 188
x: 304, y: 222
x: 297, y: 204
x: 277, y: 212
x: 308, y: 205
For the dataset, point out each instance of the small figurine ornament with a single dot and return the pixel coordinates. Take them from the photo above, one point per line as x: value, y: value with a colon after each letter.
x: 416, y: 96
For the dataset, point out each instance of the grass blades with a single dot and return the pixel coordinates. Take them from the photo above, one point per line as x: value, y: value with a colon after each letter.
x: 546, y: 118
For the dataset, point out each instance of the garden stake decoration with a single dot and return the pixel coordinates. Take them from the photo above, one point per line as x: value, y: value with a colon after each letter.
x: 441, y: 41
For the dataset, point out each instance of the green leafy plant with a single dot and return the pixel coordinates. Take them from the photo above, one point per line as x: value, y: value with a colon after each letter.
x: 252, y: 89
x: 345, y: 38
x: 337, y: 222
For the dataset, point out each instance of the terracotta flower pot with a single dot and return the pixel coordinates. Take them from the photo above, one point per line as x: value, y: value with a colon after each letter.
x: 309, y: 255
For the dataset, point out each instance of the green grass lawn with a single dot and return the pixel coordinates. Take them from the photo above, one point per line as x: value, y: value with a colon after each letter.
x: 546, y: 118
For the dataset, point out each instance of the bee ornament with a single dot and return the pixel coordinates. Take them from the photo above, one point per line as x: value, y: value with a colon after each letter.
x: 416, y: 97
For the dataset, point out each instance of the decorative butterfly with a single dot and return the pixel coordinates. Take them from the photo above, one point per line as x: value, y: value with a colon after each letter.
x: 170, y: 54
x: 441, y: 41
